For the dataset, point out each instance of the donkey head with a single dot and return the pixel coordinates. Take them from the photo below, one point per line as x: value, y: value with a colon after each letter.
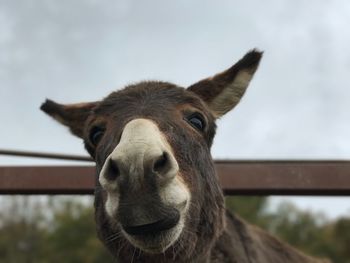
x: 156, y: 186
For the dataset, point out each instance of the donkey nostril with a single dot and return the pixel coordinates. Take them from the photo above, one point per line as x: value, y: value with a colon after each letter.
x: 112, y: 171
x: 161, y: 163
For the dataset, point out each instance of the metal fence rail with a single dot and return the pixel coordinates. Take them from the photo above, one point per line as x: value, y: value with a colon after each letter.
x: 237, y: 178
x: 57, y: 156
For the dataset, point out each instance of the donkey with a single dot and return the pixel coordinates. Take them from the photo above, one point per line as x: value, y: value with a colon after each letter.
x: 157, y: 196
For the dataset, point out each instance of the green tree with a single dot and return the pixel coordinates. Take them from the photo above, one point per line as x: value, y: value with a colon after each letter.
x: 21, y: 233
x: 341, y: 238
x: 301, y: 229
x: 310, y: 232
x: 73, y: 238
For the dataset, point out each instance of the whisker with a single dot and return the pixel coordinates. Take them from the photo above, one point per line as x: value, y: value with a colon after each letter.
x: 139, y: 254
x: 133, y: 254
x: 113, y: 237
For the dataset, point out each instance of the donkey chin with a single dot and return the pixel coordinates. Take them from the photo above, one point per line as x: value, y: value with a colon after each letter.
x: 153, y: 232
x: 152, y: 240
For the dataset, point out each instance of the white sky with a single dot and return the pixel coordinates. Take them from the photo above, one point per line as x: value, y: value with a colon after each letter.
x: 72, y: 51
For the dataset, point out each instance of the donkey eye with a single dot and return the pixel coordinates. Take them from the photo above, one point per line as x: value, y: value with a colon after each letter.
x: 96, y: 135
x: 197, y: 121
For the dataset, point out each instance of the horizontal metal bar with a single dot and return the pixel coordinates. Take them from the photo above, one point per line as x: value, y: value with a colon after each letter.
x: 237, y: 178
x: 285, y: 177
x: 58, y: 156
x: 47, y: 180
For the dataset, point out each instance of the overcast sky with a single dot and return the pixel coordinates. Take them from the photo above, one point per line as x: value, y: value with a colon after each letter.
x: 297, y: 106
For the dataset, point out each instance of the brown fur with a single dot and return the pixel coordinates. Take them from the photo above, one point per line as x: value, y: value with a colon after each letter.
x: 211, y: 234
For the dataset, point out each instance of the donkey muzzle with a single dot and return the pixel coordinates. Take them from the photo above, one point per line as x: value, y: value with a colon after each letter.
x: 153, y: 228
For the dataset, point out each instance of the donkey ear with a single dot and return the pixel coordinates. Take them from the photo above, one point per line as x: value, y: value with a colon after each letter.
x: 71, y: 115
x: 223, y: 91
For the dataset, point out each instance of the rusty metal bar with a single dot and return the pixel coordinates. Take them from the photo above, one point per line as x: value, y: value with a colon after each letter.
x: 58, y: 156
x: 285, y: 177
x: 237, y: 177
x: 47, y: 180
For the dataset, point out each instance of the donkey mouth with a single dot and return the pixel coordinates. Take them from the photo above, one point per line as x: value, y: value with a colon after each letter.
x: 154, y: 236
x: 154, y: 227
x: 150, y: 224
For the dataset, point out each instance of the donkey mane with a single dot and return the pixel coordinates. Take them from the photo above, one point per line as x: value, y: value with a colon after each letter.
x: 157, y: 195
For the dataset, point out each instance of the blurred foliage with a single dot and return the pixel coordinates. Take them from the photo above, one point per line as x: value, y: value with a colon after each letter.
x: 308, y: 231
x: 53, y: 231
x: 62, y: 230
